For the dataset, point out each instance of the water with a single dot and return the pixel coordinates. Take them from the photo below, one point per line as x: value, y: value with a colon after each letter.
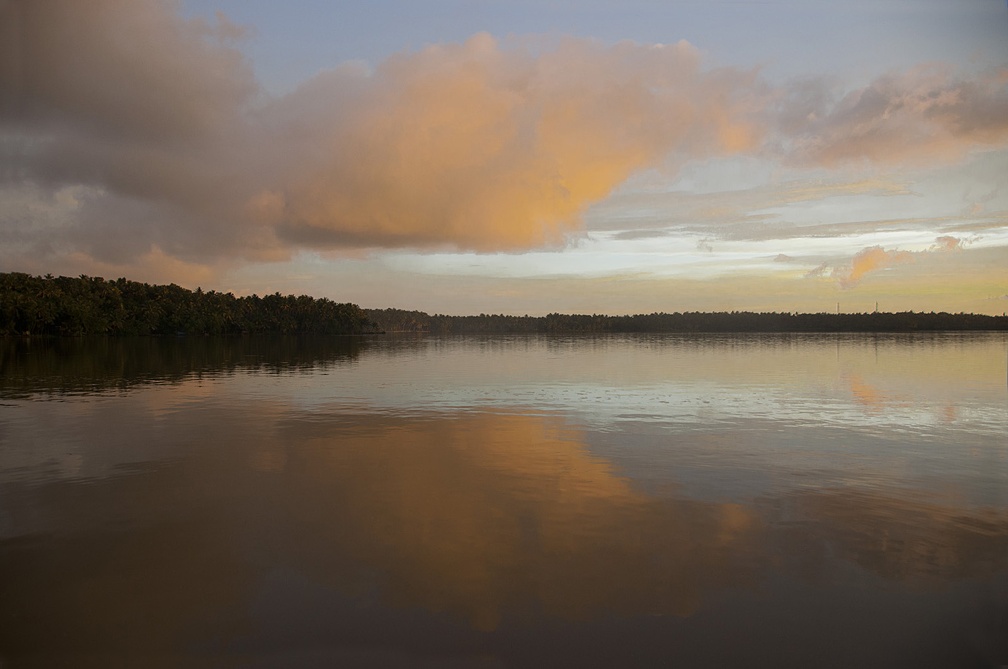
x: 627, y: 500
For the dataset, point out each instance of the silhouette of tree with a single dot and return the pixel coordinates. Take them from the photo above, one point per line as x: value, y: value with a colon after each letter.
x: 91, y: 305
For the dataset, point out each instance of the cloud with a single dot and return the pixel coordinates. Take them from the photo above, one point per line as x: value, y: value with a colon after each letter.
x: 119, y: 69
x: 923, y: 113
x: 817, y: 271
x: 947, y: 243
x: 875, y: 258
x: 479, y: 146
x: 869, y: 260
x: 482, y: 146
x: 486, y: 147
x: 143, y: 110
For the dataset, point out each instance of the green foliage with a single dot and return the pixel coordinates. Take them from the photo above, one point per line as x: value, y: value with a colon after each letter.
x: 91, y: 305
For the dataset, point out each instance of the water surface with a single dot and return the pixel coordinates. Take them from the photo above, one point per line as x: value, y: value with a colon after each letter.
x: 802, y: 500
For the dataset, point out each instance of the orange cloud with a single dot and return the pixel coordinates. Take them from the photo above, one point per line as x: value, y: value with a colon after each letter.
x: 483, y: 147
x: 869, y: 260
x: 875, y: 258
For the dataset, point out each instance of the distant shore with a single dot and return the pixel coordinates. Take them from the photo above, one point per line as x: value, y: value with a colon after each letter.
x: 396, y: 320
x: 75, y: 306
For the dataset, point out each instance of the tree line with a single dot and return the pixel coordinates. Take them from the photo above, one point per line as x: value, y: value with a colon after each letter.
x: 396, y: 320
x: 86, y: 305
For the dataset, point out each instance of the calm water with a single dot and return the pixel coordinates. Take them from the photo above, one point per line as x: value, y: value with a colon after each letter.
x: 505, y: 501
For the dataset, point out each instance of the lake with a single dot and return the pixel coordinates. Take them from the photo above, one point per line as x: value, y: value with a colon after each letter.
x: 651, y: 500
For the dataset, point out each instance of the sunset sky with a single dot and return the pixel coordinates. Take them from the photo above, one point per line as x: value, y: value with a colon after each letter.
x: 468, y: 156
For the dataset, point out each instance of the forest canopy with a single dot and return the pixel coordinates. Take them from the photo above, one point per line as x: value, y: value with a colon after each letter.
x: 91, y: 305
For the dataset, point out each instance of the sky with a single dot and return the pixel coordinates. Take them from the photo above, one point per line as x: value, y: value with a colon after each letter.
x: 519, y: 157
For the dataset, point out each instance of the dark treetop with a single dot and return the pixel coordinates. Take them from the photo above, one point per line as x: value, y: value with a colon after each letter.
x: 91, y: 305
x: 396, y: 320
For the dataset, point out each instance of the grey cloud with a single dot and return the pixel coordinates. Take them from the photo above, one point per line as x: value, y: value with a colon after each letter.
x: 119, y: 68
x: 748, y: 214
x: 483, y: 146
x: 817, y: 271
x: 480, y: 146
x: 899, y: 117
x: 630, y: 235
x: 147, y: 110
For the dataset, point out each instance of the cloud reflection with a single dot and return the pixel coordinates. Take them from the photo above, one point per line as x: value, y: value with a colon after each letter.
x: 502, y: 512
x: 489, y: 518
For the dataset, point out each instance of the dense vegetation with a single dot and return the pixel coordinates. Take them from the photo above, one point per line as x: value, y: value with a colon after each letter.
x: 91, y: 305
x: 395, y: 320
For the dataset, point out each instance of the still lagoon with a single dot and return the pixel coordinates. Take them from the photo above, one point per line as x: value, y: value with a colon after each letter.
x: 524, y: 501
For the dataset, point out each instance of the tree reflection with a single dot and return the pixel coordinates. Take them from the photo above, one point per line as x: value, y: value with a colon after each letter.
x: 61, y: 366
